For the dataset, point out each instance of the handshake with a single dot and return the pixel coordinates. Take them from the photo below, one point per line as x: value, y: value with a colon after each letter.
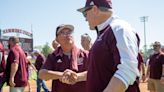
x: 69, y: 77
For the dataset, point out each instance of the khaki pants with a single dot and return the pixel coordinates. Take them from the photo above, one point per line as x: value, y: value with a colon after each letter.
x: 17, y: 89
x: 155, y: 85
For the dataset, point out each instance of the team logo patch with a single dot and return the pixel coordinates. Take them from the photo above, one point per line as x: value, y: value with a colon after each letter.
x: 59, y: 61
x: 80, y: 61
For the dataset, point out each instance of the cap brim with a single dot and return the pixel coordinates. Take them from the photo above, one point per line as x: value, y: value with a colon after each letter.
x: 66, y: 26
x: 82, y: 9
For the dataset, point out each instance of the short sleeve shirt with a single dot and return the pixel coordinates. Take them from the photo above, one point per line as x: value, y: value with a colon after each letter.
x: 58, y: 61
x: 156, y: 62
x: 16, y: 55
x: 39, y: 61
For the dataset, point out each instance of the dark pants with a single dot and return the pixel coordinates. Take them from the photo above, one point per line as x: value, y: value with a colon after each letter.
x: 41, y: 83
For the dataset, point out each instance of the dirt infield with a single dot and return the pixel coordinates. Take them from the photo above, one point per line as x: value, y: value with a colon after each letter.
x: 143, y: 87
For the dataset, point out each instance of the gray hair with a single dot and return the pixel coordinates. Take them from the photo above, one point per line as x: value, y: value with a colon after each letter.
x: 86, y: 36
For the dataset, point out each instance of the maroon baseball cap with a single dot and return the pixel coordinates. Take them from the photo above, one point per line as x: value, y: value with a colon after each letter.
x: 99, y: 3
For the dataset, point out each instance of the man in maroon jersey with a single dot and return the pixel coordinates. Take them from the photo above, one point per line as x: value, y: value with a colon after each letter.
x: 67, y: 65
x: 16, y: 68
x: 40, y: 60
x: 141, y: 66
x: 2, y: 66
x: 113, y: 64
x: 155, y: 70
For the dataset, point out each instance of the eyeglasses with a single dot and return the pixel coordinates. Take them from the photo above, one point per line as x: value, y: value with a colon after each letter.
x: 65, y: 33
x: 156, y: 45
x: 85, y: 12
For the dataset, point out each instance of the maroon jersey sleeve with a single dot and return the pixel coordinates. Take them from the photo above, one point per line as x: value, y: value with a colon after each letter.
x: 15, y: 55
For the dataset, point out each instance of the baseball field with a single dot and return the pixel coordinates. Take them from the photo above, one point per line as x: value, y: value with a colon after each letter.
x: 143, y: 87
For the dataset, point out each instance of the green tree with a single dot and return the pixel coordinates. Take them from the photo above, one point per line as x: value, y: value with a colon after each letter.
x: 46, y: 50
x: 38, y: 47
x: 148, y: 52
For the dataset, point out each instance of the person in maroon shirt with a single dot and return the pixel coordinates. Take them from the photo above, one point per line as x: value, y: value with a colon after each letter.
x: 30, y: 67
x: 155, y: 70
x: 113, y: 64
x: 40, y: 59
x: 67, y: 65
x: 2, y: 66
x: 16, y: 68
x: 141, y: 66
x: 162, y: 48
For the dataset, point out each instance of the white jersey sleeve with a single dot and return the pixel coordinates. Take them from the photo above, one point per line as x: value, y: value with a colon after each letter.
x: 128, y: 51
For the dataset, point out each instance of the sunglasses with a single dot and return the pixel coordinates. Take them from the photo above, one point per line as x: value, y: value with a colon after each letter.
x: 85, y: 12
x: 156, y: 45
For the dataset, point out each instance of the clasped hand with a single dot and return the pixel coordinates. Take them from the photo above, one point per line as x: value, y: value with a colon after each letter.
x: 69, y: 77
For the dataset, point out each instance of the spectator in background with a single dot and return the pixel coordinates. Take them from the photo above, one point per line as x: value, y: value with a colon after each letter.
x: 29, y: 70
x: 113, y: 57
x: 16, y: 68
x: 141, y: 66
x: 86, y: 41
x: 66, y: 66
x: 40, y: 59
x: 2, y: 66
x: 55, y: 44
x: 162, y: 48
x: 155, y: 70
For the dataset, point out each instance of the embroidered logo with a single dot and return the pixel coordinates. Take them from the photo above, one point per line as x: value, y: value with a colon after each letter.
x: 59, y: 61
x: 91, y: 3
